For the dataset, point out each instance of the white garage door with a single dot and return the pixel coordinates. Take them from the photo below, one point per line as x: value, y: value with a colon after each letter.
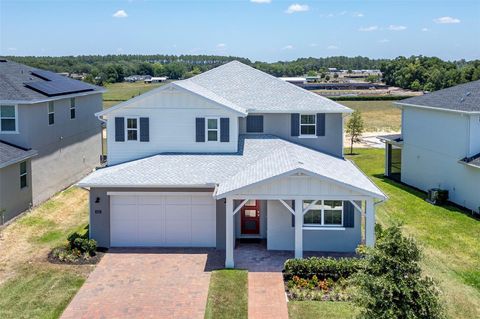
x: 171, y: 220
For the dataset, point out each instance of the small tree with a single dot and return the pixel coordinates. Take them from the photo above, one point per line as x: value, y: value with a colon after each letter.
x: 312, y: 73
x: 391, y: 284
x: 355, y: 128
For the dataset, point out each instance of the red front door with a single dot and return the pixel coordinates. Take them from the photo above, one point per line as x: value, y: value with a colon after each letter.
x: 250, y: 218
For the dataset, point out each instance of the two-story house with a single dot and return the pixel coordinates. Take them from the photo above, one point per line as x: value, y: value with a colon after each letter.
x: 230, y: 153
x: 440, y: 144
x: 49, y: 135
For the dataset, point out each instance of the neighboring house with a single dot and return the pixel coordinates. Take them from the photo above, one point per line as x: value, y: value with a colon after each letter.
x: 230, y: 153
x: 49, y: 117
x: 440, y: 144
x: 156, y: 79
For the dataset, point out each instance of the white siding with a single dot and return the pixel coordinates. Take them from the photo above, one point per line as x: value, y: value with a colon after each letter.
x: 474, y: 135
x: 296, y: 185
x: 434, y: 142
x: 172, y: 126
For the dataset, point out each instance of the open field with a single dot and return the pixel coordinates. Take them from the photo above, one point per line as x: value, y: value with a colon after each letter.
x: 119, y: 92
x: 378, y: 116
x: 30, y: 286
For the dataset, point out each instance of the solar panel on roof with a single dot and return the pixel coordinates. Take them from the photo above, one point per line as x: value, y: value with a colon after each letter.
x: 45, y: 75
x: 59, y: 87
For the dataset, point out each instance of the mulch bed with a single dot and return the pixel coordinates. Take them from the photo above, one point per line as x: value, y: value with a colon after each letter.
x: 80, y: 261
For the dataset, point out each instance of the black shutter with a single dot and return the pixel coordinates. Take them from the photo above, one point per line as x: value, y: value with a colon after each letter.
x: 224, y: 129
x: 295, y: 124
x: 144, y: 129
x: 293, y: 216
x: 119, y: 129
x: 348, y: 214
x: 320, y: 124
x: 200, y: 129
x: 255, y: 124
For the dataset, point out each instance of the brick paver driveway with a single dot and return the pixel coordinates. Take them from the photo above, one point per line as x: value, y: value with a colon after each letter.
x: 146, y: 283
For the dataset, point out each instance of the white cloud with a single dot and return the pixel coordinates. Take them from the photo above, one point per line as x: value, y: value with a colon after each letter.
x: 288, y: 47
x: 261, y: 1
x: 358, y: 15
x: 368, y: 29
x: 297, y: 8
x: 424, y: 29
x: 221, y: 45
x: 120, y: 14
x: 332, y: 47
x: 342, y: 13
x: 313, y: 45
x: 12, y: 49
x: 383, y: 41
x: 446, y: 20
x: 393, y: 27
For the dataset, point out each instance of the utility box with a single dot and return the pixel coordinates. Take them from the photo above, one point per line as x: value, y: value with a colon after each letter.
x: 437, y: 196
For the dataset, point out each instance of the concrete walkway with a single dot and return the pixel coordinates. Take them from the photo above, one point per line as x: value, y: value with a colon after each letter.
x: 145, y: 283
x: 266, y: 296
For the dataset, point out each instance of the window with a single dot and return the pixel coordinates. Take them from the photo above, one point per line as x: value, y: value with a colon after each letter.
x: 307, y: 124
x: 132, y: 129
x: 8, y: 121
x: 323, y: 213
x: 72, y: 108
x: 51, y: 113
x: 212, y: 130
x: 23, y: 174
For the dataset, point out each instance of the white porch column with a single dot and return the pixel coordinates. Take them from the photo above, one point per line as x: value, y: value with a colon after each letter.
x: 229, y: 263
x: 370, y: 223
x: 298, y: 228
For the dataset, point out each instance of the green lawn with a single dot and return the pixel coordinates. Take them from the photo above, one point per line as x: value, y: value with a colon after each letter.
x: 449, y: 238
x: 227, y: 295
x: 119, y: 92
x: 377, y: 115
x: 31, y: 287
x: 316, y: 309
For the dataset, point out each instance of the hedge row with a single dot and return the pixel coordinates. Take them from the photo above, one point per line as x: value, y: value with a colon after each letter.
x: 323, y: 268
x: 369, y: 98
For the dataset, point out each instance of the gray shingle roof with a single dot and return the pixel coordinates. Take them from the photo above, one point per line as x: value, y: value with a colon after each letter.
x: 472, y: 161
x: 12, y: 88
x: 257, y: 91
x: 462, y: 98
x: 10, y: 154
x: 253, y: 163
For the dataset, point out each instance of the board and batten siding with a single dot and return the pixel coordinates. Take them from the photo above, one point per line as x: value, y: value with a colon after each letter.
x: 431, y: 154
x: 172, y: 116
x: 280, y: 124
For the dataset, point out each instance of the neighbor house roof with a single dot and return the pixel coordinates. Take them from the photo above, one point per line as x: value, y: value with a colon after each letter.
x: 19, y: 84
x: 255, y: 162
x: 248, y: 90
x: 460, y: 98
x: 472, y: 161
x: 11, y: 154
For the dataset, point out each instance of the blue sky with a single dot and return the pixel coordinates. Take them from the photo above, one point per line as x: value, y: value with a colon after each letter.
x: 267, y: 30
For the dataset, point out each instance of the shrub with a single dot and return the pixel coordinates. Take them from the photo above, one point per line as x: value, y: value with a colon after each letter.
x: 82, y: 244
x: 322, y: 268
x: 391, y: 284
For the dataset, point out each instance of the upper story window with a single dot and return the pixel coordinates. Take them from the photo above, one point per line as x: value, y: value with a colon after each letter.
x: 73, y: 108
x: 132, y: 129
x: 23, y: 175
x: 8, y: 118
x: 51, y: 113
x: 323, y: 213
x: 308, y: 124
x: 212, y: 130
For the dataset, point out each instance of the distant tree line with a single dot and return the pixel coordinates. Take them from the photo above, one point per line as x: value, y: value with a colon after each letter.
x: 428, y: 73
x: 416, y: 72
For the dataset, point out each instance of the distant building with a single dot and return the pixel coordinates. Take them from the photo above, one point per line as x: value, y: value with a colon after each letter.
x: 136, y: 78
x: 157, y: 79
x: 294, y: 80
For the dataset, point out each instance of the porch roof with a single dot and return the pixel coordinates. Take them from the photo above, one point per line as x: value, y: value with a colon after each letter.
x: 259, y: 158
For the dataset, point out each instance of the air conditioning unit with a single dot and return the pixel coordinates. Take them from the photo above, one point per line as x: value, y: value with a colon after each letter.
x: 437, y: 196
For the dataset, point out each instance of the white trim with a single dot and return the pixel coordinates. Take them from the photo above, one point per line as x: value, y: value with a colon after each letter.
x: 157, y: 193
x: 240, y: 206
x: 211, y: 185
x: 313, y: 203
x: 323, y: 228
x: 322, y: 212
x: 314, y: 135
x: 217, y: 129
x: 355, y: 205
x: 287, y: 206
x: 301, y: 197
x: 437, y: 108
x: 289, y: 111
x: 15, y: 106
